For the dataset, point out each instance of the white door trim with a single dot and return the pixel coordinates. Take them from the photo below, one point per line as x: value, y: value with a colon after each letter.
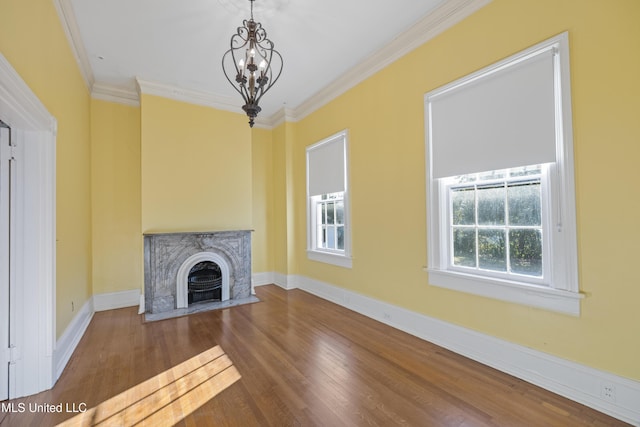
x: 5, y: 357
x: 34, y: 326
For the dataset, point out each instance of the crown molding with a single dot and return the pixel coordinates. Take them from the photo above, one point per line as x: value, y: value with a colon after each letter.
x: 123, y: 96
x: 115, y: 94
x: 72, y: 31
x: 279, y: 117
x: 442, y: 18
x: 219, y: 102
x: 261, y: 123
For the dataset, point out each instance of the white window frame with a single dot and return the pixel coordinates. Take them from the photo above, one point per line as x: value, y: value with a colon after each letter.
x: 561, y: 292
x: 341, y: 258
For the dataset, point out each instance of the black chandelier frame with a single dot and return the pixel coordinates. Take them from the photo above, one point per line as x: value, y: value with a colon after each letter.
x: 248, y: 65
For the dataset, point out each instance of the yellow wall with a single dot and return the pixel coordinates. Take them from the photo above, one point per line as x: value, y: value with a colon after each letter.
x: 283, y: 194
x: 196, y: 167
x: 385, y: 119
x: 262, y: 251
x: 115, y: 191
x: 32, y: 40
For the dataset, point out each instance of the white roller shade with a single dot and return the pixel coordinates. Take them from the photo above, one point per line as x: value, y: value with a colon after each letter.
x: 498, y: 118
x: 326, y: 166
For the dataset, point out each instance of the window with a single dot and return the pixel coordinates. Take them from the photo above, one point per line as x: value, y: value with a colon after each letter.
x: 496, y: 225
x: 500, y: 192
x: 328, y: 236
x: 330, y: 221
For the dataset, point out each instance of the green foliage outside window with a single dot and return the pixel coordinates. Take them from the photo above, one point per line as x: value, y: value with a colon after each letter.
x: 497, y: 225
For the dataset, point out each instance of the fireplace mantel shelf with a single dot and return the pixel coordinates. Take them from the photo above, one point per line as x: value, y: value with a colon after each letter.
x: 170, y: 233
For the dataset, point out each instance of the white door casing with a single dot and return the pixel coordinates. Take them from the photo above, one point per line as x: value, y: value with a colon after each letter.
x: 32, y: 328
x: 4, y: 263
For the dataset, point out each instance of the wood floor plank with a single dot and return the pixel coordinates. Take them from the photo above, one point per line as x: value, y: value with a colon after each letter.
x: 290, y: 360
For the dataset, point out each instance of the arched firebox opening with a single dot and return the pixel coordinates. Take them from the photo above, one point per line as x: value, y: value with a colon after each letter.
x: 204, y: 260
x: 204, y: 283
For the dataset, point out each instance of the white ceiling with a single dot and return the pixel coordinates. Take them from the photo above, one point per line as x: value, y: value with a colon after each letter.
x: 176, y: 46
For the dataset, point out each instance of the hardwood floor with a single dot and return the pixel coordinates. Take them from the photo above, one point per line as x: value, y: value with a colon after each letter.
x: 290, y: 360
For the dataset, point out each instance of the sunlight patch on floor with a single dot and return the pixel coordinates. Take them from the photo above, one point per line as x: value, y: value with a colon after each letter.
x: 166, y: 398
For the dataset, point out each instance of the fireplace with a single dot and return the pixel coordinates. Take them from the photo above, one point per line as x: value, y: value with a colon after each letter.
x: 189, y: 268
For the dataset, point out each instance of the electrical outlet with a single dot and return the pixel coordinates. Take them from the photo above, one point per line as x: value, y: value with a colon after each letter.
x: 608, y: 392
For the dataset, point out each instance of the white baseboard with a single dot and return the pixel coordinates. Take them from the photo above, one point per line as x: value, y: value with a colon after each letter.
x: 66, y: 345
x: 70, y: 338
x: 574, y: 381
x: 284, y: 281
x: 272, y: 278
x: 113, y: 300
x: 261, y: 279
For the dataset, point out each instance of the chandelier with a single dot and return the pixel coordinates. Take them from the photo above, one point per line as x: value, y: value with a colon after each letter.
x: 251, y: 64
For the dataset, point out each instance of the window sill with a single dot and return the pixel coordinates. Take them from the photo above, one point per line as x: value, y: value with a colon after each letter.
x: 534, y: 296
x: 329, y: 258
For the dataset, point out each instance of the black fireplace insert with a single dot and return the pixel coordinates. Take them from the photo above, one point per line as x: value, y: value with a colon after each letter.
x: 204, y: 283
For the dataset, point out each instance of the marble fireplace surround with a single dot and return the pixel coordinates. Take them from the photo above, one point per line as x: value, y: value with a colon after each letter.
x: 168, y: 258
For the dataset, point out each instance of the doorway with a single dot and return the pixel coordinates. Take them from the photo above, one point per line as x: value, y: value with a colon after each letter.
x: 27, y: 239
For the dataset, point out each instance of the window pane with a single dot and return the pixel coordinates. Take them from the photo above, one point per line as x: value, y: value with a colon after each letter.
x: 524, y: 203
x: 324, y: 213
x: 491, y: 250
x: 464, y: 247
x: 463, y: 206
x: 339, y: 212
x: 341, y: 237
x: 330, y: 213
x: 331, y: 237
x: 320, y: 239
x: 324, y: 237
x: 525, y: 247
x: 491, y: 205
